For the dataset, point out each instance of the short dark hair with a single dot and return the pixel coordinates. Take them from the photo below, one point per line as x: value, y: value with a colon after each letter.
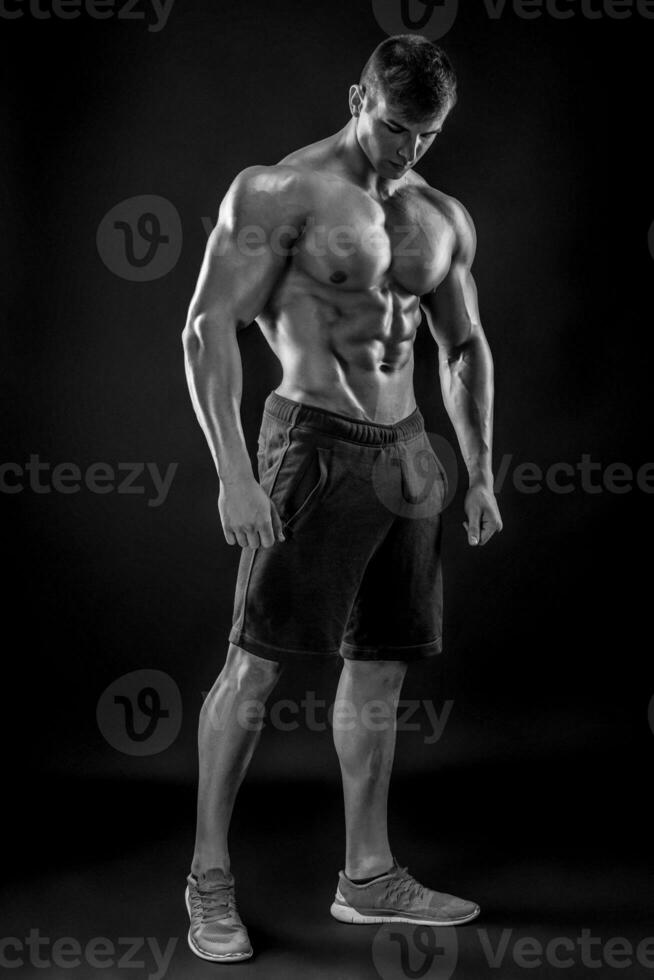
x: 413, y: 73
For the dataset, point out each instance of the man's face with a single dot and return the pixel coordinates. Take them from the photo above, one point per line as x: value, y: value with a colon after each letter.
x: 392, y: 143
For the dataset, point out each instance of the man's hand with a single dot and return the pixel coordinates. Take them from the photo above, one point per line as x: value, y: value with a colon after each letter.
x: 483, y: 514
x: 248, y: 515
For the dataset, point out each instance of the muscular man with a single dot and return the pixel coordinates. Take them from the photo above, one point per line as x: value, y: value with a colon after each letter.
x: 335, y: 252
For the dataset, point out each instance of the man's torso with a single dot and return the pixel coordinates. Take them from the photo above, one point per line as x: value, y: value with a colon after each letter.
x: 343, y: 316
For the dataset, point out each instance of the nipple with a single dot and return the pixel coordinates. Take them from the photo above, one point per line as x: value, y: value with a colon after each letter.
x: 338, y: 277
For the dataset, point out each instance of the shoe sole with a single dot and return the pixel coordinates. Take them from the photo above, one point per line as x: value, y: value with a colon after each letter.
x: 213, y: 957
x: 345, y: 913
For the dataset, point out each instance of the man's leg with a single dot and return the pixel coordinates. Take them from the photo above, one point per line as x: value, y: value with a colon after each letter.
x: 373, y: 888
x: 227, y: 737
x: 366, y: 759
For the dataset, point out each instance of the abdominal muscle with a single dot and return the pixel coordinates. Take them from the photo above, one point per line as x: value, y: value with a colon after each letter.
x: 345, y: 351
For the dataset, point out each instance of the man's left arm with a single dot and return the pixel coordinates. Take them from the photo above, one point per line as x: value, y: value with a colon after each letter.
x: 466, y: 376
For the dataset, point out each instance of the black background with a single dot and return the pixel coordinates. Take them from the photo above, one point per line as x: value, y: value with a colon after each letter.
x: 535, y: 797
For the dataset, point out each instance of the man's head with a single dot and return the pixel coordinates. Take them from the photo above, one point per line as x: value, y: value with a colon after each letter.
x: 407, y: 88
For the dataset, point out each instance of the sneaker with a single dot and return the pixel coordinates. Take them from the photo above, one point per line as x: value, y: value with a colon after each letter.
x: 398, y: 897
x: 216, y: 932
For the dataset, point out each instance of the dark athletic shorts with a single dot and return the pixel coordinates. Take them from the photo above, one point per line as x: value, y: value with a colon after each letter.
x: 359, y: 573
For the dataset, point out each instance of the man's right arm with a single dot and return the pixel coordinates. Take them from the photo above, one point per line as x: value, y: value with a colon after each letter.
x: 246, y: 253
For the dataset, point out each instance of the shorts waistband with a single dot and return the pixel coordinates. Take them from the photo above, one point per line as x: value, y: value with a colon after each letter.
x: 344, y: 426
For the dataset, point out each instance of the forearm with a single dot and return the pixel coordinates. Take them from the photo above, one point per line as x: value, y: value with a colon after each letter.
x: 466, y: 375
x: 215, y: 379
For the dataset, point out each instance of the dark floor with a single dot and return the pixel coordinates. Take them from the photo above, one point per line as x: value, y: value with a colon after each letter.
x: 109, y: 859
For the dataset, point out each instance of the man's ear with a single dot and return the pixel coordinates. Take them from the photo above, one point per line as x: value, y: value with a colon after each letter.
x: 357, y: 94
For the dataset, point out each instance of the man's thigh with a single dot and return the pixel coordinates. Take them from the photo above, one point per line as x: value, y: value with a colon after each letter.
x: 297, y: 595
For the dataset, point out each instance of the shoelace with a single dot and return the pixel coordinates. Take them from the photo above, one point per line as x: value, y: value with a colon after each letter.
x: 219, y: 903
x: 404, y: 886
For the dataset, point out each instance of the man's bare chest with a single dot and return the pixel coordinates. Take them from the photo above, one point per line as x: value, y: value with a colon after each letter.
x: 353, y: 241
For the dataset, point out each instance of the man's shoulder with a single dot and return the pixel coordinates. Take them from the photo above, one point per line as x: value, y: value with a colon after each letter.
x: 300, y: 168
x: 450, y: 208
x: 272, y: 178
x: 279, y: 191
x: 293, y: 185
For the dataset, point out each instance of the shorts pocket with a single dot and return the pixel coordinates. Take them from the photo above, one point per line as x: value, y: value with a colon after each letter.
x: 304, y: 489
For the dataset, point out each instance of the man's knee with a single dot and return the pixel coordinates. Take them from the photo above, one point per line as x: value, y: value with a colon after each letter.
x: 384, y: 675
x: 249, y: 672
x: 244, y: 678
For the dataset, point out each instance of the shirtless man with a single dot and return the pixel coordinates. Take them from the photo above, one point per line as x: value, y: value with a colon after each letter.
x: 335, y: 252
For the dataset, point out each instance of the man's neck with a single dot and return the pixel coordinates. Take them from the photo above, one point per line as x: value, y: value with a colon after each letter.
x: 357, y: 164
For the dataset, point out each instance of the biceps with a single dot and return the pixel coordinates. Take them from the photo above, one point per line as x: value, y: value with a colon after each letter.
x: 238, y: 275
x: 452, y: 310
